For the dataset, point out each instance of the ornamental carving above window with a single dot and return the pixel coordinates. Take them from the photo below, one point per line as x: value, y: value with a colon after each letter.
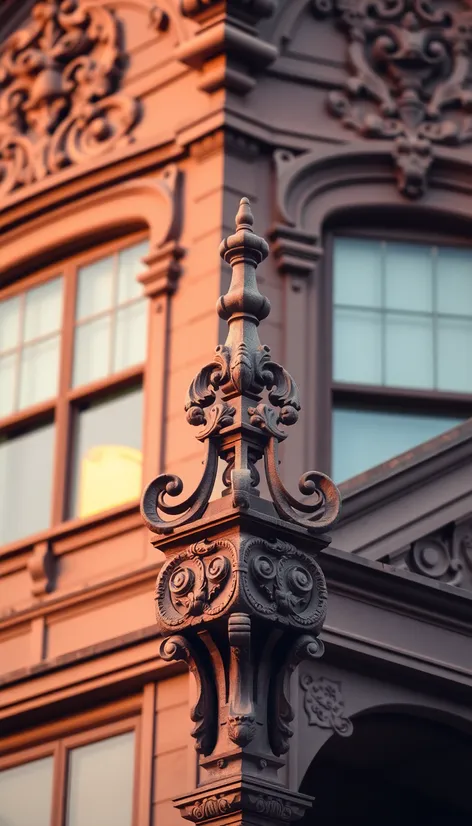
x: 409, y: 82
x: 59, y: 98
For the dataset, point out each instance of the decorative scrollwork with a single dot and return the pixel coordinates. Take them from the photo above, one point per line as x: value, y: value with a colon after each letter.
x: 323, y: 509
x: 197, y: 583
x: 284, y: 584
x: 324, y: 704
x: 59, y: 100
x: 410, y: 73
x: 167, y: 484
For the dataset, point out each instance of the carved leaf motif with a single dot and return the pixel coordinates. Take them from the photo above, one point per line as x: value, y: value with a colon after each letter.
x: 59, y: 100
x: 410, y: 69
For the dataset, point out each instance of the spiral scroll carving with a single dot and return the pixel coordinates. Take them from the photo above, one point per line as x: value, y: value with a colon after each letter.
x: 196, y: 584
x: 284, y: 584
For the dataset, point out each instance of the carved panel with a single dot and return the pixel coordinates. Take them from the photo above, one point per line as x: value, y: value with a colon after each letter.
x: 59, y: 99
x: 445, y: 556
x: 284, y: 584
x: 196, y: 584
x: 409, y: 81
x: 324, y: 705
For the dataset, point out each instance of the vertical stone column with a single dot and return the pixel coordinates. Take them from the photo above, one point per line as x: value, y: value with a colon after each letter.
x: 241, y: 597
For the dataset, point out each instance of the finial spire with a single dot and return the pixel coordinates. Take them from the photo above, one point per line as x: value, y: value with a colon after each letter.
x: 241, y: 398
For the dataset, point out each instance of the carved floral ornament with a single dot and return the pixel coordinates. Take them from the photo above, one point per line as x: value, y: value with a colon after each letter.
x: 409, y: 82
x: 445, y: 556
x: 59, y: 99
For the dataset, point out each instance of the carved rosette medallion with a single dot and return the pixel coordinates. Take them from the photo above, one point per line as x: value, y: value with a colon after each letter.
x: 59, y: 99
x: 284, y: 584
x: 409, y: 78
x: 324, y: 705
x: 196, y: 584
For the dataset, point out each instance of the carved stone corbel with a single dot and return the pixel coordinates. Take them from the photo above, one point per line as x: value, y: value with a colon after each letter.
x: 227, y: 49
x: 41, y: 567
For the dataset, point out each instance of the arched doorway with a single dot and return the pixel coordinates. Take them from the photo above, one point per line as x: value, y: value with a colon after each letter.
x: 395, y: 770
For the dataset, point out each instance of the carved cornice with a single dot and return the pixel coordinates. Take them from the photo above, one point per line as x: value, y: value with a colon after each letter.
x: 409, y: 82
x: 266, y: 803
x: 227, y: 48
x: 444, y: 556
x: 59, y: 98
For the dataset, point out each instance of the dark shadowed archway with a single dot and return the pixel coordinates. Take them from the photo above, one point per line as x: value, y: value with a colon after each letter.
x: 395, y: 770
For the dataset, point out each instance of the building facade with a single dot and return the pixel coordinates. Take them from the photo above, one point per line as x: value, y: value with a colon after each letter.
x: 129, y: 130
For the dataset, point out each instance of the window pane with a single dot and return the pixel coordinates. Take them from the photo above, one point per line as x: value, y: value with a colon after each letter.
x: 107, y: 454
x: 26, y: 463
x: 100, y: 787
x: 26, y: 794
x: 357, y: 346
x: 95, y: 287
x: 455, y: 355
x: 129, y: 267
x: 7, y: 384
x: 454, y: 282
x: 43, y: 309
x: 357, y: 272
x: 365, y: 438
x: 409, y: 277
x: 130, y: 335
x: 409, y: 352
x: 9, y: 323
x: 39, y: 372
x: 92, y: 350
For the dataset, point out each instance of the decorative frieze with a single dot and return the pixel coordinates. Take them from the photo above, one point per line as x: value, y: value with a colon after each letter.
x: 409, y: 68
x: 59, y: 91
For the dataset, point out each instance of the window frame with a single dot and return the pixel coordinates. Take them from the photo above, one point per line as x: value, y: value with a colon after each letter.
x: 371, y: 396
x: 70, y: 734
x: 62, y: 409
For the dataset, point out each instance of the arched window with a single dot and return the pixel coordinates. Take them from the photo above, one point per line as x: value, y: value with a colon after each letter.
x: 402, y: 343
x: 72, y: 355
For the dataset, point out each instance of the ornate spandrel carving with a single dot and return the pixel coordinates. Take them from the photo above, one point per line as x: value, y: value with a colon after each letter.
x: 59, y: 99
x: 324, y: 704
x: 444, y: 556
x: 409, y: 81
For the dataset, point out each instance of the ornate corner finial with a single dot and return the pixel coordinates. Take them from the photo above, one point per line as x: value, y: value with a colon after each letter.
x: 241, y: 399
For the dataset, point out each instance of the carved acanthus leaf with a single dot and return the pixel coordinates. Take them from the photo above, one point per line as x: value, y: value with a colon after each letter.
x: 410, y: 68
x: 59, y: 99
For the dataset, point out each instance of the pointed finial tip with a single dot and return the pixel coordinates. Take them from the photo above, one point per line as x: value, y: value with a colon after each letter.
x: 244, y: 218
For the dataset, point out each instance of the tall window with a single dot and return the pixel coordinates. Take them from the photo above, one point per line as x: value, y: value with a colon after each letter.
x: 72, y: 352
x: 402, y: 348
x: 76, y: 781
